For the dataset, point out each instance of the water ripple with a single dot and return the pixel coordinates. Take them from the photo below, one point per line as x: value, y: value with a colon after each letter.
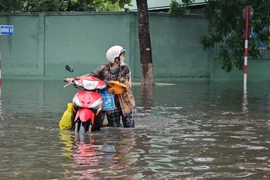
x: 190, y: 132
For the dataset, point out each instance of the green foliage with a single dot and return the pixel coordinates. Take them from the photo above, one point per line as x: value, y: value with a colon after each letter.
x: 61, y: 5
x: 97, y: 5
x: 180, y: 9
x: 44, y: 5
x: 11, y: 5
x: 227, y: 28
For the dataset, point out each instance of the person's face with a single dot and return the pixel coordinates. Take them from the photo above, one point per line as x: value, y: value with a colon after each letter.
x: 122, y: 57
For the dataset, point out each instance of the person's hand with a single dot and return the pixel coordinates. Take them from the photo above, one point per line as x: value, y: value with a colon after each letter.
x: 69, y: 80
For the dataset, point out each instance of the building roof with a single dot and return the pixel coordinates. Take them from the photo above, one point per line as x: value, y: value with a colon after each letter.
x: 162, y: 4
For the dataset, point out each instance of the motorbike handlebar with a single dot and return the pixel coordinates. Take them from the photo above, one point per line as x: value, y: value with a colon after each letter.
x: 65, y: 80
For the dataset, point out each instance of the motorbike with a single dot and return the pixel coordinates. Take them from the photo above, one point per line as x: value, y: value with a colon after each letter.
x: 87, y: 102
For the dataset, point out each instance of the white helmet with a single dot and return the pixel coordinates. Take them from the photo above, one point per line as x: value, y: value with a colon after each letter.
x: 114, y: 52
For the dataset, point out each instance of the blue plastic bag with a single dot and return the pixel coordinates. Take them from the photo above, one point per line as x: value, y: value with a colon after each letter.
x: 107, y: 100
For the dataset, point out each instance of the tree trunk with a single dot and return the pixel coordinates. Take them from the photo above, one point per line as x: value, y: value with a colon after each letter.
x: 147, y: 96
x: 147, y: 71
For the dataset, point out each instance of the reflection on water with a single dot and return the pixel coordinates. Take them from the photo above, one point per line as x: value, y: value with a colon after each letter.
x: 193, y: 130
x: 97, y: 156
x: 146, y: 96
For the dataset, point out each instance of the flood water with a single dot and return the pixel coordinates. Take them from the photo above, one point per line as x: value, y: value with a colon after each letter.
x: 192, y: 130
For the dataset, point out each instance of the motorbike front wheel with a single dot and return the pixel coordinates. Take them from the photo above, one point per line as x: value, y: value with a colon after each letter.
x: 81, y: 127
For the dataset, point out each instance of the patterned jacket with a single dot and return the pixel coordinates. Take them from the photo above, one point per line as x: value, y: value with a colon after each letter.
x: 126, y: 100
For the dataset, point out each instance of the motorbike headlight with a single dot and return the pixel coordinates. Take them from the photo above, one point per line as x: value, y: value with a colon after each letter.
x: 89, y: 85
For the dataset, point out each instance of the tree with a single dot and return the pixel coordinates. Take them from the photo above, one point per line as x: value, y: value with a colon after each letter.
x: 61, y: 5
x: 44, y: 5
x: 147, y: 72
x: 97, y: 5
x: 180, y: 9
x: 227, y: 28
x: 11, y: 5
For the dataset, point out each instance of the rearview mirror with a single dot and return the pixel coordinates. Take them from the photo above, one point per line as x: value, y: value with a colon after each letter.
x: 115, y: 70
x: 69, y: 68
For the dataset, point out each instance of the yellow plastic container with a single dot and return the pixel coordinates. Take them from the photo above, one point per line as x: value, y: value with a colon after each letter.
x: 66, y: 120
x: 116, y: 87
